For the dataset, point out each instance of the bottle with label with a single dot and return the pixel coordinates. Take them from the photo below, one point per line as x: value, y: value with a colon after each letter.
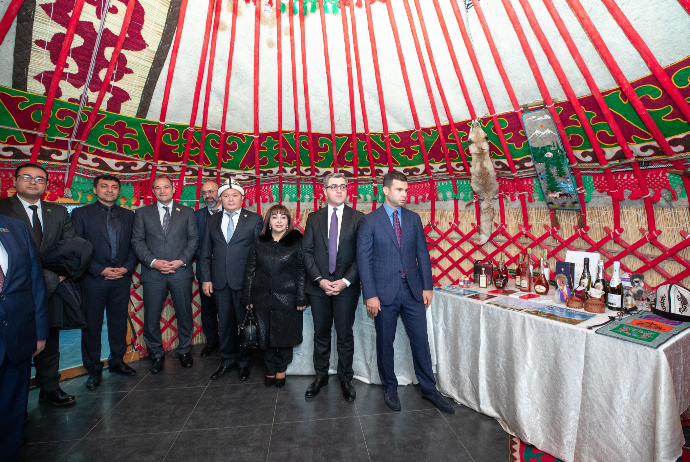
x: 518, y: 272
x: 585, y: 282
x: 482, y: 279
x: 501, y: 279
x: 526, y: 277
x: 600, y: 282
x: 541, y: 285
x: 614, y: 294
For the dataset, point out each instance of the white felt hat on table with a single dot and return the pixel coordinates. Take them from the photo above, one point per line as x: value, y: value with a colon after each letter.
x: 231, y: 184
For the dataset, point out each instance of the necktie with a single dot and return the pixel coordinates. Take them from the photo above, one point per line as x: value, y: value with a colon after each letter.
x: 333, y: 243
x: 2, y: 278
x: 36, y: 224
x: 398, y: 232
x: 166, y: 220
x: 111, y: 233
x: 231, y: 227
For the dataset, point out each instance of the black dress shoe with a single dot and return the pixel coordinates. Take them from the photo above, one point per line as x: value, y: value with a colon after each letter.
x: 23, y: 442
x: 94, y: 380
x: 122, y: 369
x: 280, y: 383
x: 208, y: 350
x: 244, y: 373
x: 270, y: 381
x: 441, y: 403
x: 222, y: 371
x: 348, y: 390
x: 390, y: 397
x: 186, y: 360
x: 316, y: 387
x: 157, y: 365
x: 57, y: 398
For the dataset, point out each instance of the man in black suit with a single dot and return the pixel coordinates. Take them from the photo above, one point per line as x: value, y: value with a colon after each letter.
x: 109, y: 228
x: 49, y: 224
x: 165, y: 238
x: 330, y: 259
x: 24, y: 327
x: 228, y: 238
x: 209, y: 311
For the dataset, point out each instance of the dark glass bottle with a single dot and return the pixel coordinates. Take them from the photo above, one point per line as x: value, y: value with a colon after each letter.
x: 585, y: 282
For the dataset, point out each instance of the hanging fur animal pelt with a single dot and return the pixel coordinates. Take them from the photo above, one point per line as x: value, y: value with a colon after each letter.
x: 484, y: 182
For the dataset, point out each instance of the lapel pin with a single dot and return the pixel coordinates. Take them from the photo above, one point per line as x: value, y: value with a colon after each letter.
x: 4, y: 230
x: 245, y: 215
x: 176, y: 209
x: 48, y: 210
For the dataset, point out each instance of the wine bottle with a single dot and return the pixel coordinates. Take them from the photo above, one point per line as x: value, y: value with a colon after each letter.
x: 614, y: 294
x: 482, y: 279
x: 518, y: 272
x: 526, y: 278
x: 600, y: 282
x: 501, y: 275
x: 541, y: 285
x: 585, y: 282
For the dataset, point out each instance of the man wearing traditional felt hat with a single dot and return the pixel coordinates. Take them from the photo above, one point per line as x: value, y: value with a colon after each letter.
x: 228, y: 237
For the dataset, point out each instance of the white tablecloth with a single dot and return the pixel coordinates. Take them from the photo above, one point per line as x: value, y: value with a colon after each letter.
x: 574, y: 394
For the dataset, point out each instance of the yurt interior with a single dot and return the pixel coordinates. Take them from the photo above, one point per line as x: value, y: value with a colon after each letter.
x: 538, y: 151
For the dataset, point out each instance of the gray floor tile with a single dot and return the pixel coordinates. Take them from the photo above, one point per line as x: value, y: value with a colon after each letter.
x: 238, y: 444
x: 149, y: 411
x: 234, y: 405
x: 329, y: 403
x: 482, y: 436
x: 44, y: 452
x: 109, y: 382
x: 131, y: 448
x: 370, y: 399
x: 415, y: 435
x: 175, y: 376
x: 318, y: 440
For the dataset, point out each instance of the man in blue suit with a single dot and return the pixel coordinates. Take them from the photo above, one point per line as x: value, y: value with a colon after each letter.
x: 395, y: 270
x: 23, y: 327
x: 209, y: 311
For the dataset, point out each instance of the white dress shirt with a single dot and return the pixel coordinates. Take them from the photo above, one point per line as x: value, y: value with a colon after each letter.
x: 339, y: 214
x: 4, y: 261
x: 226, y: 219
x: 161, y: 210
x: 30, y: 212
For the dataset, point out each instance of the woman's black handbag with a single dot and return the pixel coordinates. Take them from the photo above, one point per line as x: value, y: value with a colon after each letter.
x: 248, y: 331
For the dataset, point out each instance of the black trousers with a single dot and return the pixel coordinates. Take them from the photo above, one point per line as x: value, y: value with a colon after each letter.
x: 277, y: 360
x: 155, y: 294
x: 113, y: 297
x: 338, y: 310
x: 230, y: 314
x: 209, y: 318
x: 14, y: 391
x: 47, y: 364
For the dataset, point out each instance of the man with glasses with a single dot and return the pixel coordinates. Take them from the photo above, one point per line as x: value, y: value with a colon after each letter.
x: 330, y: 259
x: 48, y: 223
x: 209, y: 311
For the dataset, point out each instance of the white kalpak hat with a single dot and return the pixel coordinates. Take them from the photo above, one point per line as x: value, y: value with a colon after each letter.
x: 230, y: 184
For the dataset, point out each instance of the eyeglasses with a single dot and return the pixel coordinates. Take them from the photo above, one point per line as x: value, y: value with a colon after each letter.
x: 29, y: 178
x: 335, y: 187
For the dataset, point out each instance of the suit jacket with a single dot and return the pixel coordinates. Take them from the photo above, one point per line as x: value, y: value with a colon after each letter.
x: 201, y: 218
x: 179, y: 243
x: 57, y: 224
x: 23, y: 310
x: 381, y: 261
x: 89, y: 223
x: 223, y: 263
x: 315, y: 250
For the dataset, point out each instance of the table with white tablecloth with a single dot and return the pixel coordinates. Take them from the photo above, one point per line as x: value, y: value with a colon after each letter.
x: 570, y: 392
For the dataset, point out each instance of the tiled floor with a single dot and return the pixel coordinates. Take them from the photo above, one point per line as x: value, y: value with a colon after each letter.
x: 180, y: 414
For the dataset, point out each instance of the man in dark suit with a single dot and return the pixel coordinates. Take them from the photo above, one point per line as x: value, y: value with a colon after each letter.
x: 329, y: 248
x: 395, y: 269
x: 228, y: 238
x: 106, y: 285
x: 165, y: 238
x: 23, y: 327
x: 209, y: 311
x: 48, y: 224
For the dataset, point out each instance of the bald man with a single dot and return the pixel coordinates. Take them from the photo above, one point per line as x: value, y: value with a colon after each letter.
x: 209, y: 311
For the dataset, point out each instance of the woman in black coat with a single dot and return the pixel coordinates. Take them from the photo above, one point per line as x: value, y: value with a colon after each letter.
x: 274, y: 282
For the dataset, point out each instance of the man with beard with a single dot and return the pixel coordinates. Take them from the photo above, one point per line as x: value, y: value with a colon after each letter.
x: 209, y: 310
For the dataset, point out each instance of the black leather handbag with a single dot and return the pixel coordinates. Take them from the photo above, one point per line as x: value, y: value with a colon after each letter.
x: 248, y: 331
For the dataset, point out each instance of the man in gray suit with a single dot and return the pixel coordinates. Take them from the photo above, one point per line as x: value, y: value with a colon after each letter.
x: 165, y: 238
x: 228, y: 238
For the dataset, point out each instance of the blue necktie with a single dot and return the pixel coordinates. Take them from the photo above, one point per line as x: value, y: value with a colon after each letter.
x: 112, y: 236
x: 231, y: 227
